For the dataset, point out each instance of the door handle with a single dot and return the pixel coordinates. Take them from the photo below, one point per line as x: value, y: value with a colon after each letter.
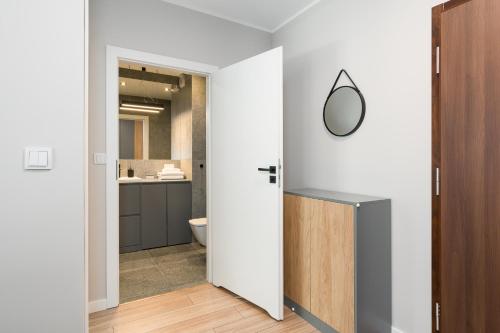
x: 271, y: 169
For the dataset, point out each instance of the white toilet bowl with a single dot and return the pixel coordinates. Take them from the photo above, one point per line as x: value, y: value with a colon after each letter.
x: 199, y: 229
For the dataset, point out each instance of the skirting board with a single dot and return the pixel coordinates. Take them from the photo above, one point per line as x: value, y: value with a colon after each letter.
x: 102, y: 304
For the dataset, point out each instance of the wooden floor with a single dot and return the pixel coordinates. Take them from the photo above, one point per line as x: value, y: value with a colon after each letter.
x: 202, y: 308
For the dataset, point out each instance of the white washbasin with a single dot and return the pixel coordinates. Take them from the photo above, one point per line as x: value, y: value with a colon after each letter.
x: 130, y: 179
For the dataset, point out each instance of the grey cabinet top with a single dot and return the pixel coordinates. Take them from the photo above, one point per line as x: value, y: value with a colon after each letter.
x: 339, y: 197
x: 152, y: 181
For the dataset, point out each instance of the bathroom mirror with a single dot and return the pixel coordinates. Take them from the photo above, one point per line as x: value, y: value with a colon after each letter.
x: 344, y: 109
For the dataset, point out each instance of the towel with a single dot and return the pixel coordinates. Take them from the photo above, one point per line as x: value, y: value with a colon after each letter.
x: 171, y: 177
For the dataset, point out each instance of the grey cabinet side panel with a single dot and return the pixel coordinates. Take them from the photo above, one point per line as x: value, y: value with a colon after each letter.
x: 153, y: 215
x: 373, y: 267
x: 130, y: 233
x: 130, y: 199
x: 179, y: 213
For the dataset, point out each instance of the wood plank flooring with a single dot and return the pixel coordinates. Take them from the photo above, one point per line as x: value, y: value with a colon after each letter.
x: 203, y: 308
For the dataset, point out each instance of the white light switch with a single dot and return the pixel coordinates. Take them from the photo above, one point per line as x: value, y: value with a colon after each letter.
x: 38, y: 158
x: 99, y: 158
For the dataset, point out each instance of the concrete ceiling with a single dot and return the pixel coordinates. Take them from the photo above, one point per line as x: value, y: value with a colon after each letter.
x: 142, y: 88
x: 267, y: 15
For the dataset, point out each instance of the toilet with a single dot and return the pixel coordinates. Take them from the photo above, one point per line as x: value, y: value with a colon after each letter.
x: 199, y: 229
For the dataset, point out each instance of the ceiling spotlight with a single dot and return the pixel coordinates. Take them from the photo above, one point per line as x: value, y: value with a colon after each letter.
x: 166, y: 89
x: 122, y: 83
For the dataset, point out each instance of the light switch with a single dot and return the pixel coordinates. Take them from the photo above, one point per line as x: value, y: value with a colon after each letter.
x: 99, y: 158
x: 38, y: 158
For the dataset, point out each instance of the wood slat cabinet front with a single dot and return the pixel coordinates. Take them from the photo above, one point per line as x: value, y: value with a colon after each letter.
x: 332, y: 265
x: 337, y: 261
x: 319, y: 265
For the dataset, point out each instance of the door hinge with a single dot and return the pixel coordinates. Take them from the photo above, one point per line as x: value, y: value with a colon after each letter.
x: 437, y: 315
x: 438, y: 60
x: 438, y: 182
x: 279, y: 172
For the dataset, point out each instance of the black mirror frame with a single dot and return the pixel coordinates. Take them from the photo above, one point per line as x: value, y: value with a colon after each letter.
x: 363, y: 104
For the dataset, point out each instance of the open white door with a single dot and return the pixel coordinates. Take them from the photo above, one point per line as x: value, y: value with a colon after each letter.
x: 246, y: 217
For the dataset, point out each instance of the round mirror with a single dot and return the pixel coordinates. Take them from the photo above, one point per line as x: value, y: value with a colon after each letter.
x: 344, y: 111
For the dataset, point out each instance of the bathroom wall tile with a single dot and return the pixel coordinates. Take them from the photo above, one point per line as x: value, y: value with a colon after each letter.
x: 199, y: 202
x: 143, y: 168
x: 186, y: 166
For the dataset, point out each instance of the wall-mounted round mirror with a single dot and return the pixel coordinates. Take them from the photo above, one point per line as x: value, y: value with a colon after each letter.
x: 344, y: 109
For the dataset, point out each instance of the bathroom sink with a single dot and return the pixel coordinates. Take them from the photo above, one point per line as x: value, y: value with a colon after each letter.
x: 130, y: 179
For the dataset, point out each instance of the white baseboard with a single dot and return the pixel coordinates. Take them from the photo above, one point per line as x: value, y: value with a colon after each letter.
x: 99, y: 305
x: 396, y: 330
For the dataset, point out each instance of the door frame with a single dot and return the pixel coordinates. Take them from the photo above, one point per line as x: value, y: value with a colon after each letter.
x: 437, y: 11
x: 113, y: 56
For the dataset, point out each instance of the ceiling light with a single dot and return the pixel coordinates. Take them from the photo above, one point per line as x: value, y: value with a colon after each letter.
x: 166, y: 89
x: 143, y: 106
x: 138, y: 110
x: 122, y: 83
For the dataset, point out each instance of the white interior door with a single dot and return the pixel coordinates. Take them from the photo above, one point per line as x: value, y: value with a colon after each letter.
x: 246, y: 207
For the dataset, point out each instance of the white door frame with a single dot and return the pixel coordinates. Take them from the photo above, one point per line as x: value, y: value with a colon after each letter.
x: 113, y: 56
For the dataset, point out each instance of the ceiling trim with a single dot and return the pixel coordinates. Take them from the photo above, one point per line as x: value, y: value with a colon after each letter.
x: 294, y: 16
x: 227, y: 18
x: 248, y: 24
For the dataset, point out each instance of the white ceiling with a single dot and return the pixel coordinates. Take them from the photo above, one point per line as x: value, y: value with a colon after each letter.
x: 267, y: 15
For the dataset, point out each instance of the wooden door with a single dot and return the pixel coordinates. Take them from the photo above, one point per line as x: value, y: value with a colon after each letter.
x: 466, y: 149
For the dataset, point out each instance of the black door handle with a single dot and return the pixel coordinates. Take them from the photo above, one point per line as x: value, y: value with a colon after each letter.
x: 271, y: 169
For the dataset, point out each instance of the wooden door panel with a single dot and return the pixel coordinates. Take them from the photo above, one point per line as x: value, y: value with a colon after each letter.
x: 469, y: 123
x: 332, y: 265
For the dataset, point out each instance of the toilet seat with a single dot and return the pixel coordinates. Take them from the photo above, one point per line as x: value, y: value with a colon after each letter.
x: 201, y: 222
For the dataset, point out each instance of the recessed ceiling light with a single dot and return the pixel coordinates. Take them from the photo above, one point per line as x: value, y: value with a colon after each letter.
x: 139, y: 106
x: 138, y: 110
x: 166, y: 89
x: 122, y: 83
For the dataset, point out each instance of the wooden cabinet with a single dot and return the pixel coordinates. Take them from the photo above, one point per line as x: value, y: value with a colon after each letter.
x: 331, y: 239
x: 297, y: 249
x: 154, y: 215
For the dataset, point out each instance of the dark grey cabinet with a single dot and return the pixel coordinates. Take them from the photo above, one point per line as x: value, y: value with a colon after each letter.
x: 130, y: 203
x: 154, y: 215
x: 179, y: 213
x: 130, y: 233
x: 130, y: 218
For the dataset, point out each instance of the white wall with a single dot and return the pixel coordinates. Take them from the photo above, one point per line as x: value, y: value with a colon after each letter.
x: 42, y: 286
x: 156, y: 27
x: 385, y: 47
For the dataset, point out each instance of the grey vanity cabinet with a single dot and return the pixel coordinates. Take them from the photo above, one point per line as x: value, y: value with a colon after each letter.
x: 179, y: 213
x: 153, y: 215
x: 130, y: 218
x: 130, y: 233
x: 130, y: 203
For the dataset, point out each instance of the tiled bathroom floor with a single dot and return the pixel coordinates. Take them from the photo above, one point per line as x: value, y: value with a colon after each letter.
x: 156, y: 271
